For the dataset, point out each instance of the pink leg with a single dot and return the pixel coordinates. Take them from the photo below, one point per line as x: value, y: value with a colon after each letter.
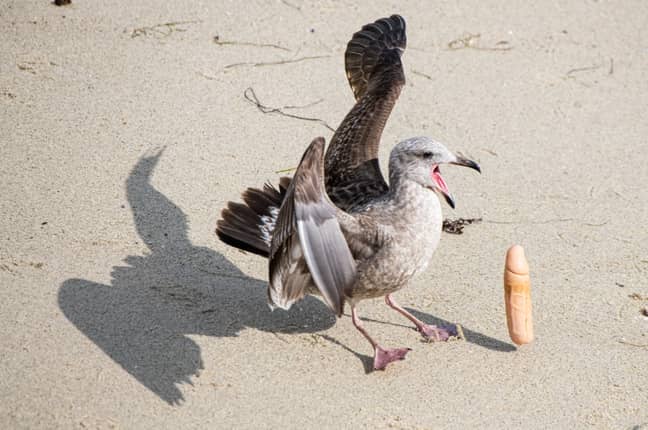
x: 382, y: 357
x: 430, y: 332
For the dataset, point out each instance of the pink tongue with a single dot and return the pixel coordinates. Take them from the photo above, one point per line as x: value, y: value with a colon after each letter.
x: 440, y: 182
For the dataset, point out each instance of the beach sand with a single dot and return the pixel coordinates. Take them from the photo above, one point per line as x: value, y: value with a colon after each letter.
x: 125, y: 130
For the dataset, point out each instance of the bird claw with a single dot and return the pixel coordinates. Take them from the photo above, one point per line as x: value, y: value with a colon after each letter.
x: 382, y: 357
x: 432, y: 333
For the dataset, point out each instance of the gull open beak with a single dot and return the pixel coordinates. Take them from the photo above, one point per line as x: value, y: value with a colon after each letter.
x: 441, y: 185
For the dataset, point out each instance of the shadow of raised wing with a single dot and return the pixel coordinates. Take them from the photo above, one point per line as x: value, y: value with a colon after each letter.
x: 142, y: 319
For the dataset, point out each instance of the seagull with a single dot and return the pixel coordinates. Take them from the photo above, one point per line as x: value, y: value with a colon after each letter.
x: 337, y: 229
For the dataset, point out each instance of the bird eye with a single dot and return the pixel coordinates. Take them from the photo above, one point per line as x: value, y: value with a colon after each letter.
x: 427, y: 155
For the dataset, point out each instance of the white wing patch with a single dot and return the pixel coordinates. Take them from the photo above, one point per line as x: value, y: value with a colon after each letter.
x: 268, y: 223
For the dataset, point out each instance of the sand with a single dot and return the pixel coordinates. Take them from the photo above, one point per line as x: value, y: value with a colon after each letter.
x: 122, y: 137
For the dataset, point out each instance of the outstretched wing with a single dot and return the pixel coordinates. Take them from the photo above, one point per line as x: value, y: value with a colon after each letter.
x: 309, y: 233
x: 375, y: 73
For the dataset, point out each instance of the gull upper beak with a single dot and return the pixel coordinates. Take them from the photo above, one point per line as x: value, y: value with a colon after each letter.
x: 461, y: 161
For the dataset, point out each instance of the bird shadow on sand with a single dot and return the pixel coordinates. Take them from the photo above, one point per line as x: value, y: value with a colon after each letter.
x: 142, y: 319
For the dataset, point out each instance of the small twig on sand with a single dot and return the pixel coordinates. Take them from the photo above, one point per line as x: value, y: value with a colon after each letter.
x: 294, y: 6
x: 456, y: 226
x: 275, y: 63
x: 211, y: 78
x: 592, y: 224
x: 27, y: 67
x: 250, y: 96
x: 286, y: 170
x: 549, y: 221
x: 162, y: 30
x: 611, y: 70
x: 582, y: 69
x: 638, y: 345
x: 465, y: 41
x: 416, y: 72
x: 303, y: 106
x: 469, y: 41
x: 218, y: 41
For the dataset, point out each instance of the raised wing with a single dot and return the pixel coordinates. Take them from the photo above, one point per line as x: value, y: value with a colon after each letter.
x: 308, y: 230
x: 375, y: 73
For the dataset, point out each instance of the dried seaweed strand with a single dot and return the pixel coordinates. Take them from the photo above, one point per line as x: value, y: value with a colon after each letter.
x: 218, y: 41
x: 638, y: 345
x: 275, y: 63
x: 549, y: 221
x: 582, y: 69
x: 211, y: 78
x: 286, y: 170
x: 251, y: 96
x: 303, y: 106
x: 294, y: 6
x: 468, y: 41
x: 416, y: 72
x: 165, y: 29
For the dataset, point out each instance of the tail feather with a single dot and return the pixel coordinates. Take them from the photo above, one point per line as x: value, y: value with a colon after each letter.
x: 260, y: 202
x: 237, y: 239
x: 249, y: 226
x: 241, y: 215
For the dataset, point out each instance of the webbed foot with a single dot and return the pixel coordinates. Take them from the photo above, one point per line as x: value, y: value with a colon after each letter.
x: 382, y: 357
x: 433, y: 333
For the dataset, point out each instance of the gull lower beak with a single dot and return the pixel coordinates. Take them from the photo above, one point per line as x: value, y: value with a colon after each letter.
x: 461, y: 161
x: 449, y: 200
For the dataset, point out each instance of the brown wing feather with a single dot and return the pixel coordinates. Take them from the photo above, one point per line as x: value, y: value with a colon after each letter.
x: 308, y: 230
x: 372, y: 48
x: 289, y: 276
x: 376, y: 76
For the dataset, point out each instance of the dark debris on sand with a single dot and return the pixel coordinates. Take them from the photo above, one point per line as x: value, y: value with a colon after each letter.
x: 456, y: 226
